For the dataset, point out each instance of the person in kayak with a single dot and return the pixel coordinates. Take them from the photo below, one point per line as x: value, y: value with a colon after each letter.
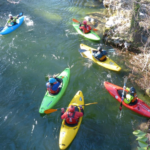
x: 71, y: 116
x: 53, y: 85
x: 131, y: 96
x: 100, y: 54
x: 12, y: 20
x: 84, y: 27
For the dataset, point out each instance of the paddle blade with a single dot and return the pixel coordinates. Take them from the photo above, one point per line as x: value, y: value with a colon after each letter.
x: 120, y: 106
x: 48, y: 111
x: 21, y: 14
x: 91, y: 103
x: 95, y: 29
x: 1, y: 28
x: 74, y: 20
x: 82, y: 50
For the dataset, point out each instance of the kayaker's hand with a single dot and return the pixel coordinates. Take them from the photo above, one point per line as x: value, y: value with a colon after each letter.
x: 80, y: 106
x: 62, y: 110
x: 54, y: 76
x: 124, y: 87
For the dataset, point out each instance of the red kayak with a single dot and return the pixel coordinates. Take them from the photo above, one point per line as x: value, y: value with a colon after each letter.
x: 138, y: 106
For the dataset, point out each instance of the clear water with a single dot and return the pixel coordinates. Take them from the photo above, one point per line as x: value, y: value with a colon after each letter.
x: 47, y: 43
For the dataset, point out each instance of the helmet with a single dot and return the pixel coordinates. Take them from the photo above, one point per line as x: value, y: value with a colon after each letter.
x: 52, y: 80
x: 84, y: 22
x: 71, y: 108
x: 99, y: 48
x: 10, y: 15
x: 132, y: 90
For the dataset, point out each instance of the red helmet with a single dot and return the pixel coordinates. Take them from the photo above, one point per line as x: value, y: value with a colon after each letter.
x: 71, y: 108
x: 85, y: 22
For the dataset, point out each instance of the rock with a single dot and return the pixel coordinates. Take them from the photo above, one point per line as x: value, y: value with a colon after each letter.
x: 148, y: 92
x: 144, y: 127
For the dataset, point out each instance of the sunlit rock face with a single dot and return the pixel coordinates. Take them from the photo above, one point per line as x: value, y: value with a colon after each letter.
x: 144, y: 15
x: 148, y: 92
x: 119, y: 23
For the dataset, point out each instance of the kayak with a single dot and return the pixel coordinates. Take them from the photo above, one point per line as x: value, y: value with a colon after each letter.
x: 50, y: 100
x: 9, y: 29
x: 91, y: 35
x: 68, y: 133
x: 108, y: 63
x: 138, y: 106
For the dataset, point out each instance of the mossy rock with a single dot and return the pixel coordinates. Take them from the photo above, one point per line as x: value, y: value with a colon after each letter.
x: 148, y: 92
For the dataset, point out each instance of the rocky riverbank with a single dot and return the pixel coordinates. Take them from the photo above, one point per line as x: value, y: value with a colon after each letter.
x: 127, y: 28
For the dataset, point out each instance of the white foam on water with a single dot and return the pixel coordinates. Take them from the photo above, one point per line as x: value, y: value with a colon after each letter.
x: 33, y: 126
x: 44, y: 56
x: 5, y: 118
x: 108, y: 76
x: 54, y: 56
x: 28, y: 21
x: 88, y: 65
x: 14, y: 2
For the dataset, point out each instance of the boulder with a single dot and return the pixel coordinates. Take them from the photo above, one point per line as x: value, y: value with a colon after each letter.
x: 148, y: 92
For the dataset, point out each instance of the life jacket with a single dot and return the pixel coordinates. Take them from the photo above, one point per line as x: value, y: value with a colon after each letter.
x: 86, y: 29
x: 52, y: 91
x: 130, y: 99
x: 71, y: 119
x: 102, y: 58
x: 135, y: 97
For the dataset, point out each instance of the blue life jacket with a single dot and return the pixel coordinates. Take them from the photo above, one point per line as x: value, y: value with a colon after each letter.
x: 100, y: 55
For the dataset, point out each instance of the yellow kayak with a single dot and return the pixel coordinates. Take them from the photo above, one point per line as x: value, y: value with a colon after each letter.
x: 67, y: 133
x: 108, y: 63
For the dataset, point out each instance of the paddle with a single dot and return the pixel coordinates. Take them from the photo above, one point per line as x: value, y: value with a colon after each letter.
x: 48, y: 111
x: 74, y: 20
x: 48, y: 76
x: 21, y: 14
x: 125, y: 81
x: 82, y: 50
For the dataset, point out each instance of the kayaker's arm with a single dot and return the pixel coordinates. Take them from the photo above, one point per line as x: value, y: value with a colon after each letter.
x: 81, y: 109
x: 62, y: 112
x: 126, y: 88
x: 59, y: 80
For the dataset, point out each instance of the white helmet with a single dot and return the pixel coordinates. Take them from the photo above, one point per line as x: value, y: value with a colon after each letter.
x: 10, y: 15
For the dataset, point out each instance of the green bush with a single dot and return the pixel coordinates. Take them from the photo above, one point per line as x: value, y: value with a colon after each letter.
x: 142, y: 139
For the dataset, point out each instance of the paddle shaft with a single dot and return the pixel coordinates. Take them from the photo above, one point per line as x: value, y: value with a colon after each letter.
x: 48, y: 111
x: 125, y: 81
x: 84, y: 104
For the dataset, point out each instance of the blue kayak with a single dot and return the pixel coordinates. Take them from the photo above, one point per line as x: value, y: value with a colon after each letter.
x: 9, y: 29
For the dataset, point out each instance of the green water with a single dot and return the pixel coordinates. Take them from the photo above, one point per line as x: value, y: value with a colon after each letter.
x: 46, y: 43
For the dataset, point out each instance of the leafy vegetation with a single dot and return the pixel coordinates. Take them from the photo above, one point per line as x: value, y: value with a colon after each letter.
x: 142, y: 140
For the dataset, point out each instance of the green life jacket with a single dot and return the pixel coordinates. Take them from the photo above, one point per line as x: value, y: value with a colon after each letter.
x: 128, y: 99
x: 12, y: 21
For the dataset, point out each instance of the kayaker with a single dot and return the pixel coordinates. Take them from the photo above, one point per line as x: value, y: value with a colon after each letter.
x: 100, y: 54
x: 53, y: 85
x: 84, y: 27
x: 71, y: 116
x: 131, y: 96
x: 12, y: 20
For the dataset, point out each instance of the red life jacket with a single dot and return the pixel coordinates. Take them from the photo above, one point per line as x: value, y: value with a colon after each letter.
x: 71, y: 119
x: 52, y: 91
x: 86, y: 29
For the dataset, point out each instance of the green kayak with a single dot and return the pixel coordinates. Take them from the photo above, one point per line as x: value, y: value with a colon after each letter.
x: 91, y: 35
x: 50, y: 100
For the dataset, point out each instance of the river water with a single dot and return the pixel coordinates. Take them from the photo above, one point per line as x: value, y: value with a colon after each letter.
x: 47, y: 43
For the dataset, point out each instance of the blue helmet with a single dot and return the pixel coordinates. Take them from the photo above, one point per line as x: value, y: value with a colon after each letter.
x: 132, y: 90
x: 52, y: 80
